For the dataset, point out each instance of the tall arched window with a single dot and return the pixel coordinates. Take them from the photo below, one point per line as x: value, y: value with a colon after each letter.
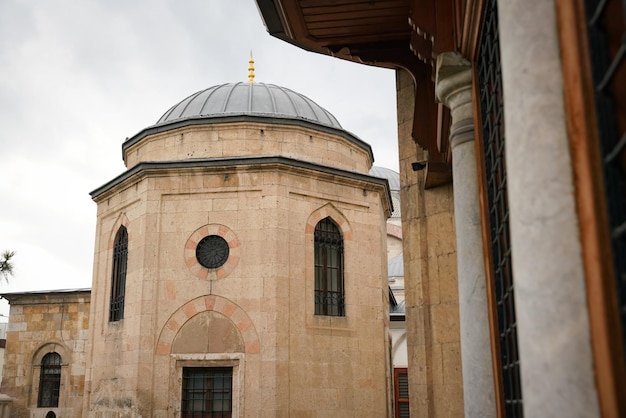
x: 49, y: 381
x: 329, y: 289
x: 118, y: 275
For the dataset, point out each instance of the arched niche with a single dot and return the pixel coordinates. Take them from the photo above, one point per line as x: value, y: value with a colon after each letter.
x: 208, y: 332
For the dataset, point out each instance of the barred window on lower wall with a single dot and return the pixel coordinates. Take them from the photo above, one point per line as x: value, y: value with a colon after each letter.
x: 207, y: 392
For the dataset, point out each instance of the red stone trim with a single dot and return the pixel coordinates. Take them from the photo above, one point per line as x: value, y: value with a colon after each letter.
x: 122, y: 220
x: 233, y: 258
x: 209, y: 303
x: 325, y: 211
x: 394, y: 231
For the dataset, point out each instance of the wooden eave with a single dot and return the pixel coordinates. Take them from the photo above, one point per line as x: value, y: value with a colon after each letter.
x: 334, y: 27
x: 405, y: 34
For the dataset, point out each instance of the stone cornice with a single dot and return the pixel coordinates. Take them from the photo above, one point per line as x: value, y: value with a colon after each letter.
x: 144, y: 169
x: 46, y: 296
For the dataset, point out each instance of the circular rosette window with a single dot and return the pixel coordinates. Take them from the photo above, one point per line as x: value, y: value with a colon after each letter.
x: 212, y: 252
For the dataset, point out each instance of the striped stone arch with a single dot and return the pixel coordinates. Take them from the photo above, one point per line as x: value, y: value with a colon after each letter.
x: 328, y: 210
x: 209, y: 303
x: 122, y: 220
x: 234, y: 247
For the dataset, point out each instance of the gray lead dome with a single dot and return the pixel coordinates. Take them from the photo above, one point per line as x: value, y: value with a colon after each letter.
x: 250, y: 99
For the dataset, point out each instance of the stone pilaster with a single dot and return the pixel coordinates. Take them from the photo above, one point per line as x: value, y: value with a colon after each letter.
x: 454, y: 89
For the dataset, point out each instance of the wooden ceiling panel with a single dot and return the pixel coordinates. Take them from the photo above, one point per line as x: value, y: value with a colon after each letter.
x: 350, y: 36
x: 360, y: 3
x: 324, y: 15
x: 352, y: 21
x: 375, y: 22
x: 364, y: 26
x: 355, y: 21
x: 355, y: 5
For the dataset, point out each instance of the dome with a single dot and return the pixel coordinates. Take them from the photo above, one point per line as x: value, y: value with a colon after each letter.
x: 229, y: 121
x: 385, y: 173
x: 393, y: 178
x: 249, y: 99
x: 395, y: 266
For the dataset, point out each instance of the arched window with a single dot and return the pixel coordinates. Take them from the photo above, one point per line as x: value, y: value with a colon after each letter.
x: 49, y: 381
x: 329, y: 291
x: 118, y: 275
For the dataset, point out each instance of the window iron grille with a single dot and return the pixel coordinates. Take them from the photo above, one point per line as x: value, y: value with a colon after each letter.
x: 49, y: 381
x: 492, y: 122
x: 118, y: 275
x: 329, y: 284
x: 606, y: 30
x: 207, y: 392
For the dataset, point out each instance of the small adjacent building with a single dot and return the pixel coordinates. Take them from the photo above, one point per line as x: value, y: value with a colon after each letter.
x: 46, y: 352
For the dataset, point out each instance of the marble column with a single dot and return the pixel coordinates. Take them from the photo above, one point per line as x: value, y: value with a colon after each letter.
x: 554, y: 339
x: 454, y: 90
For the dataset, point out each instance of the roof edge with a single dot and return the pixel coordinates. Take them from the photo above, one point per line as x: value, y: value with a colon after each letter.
x: 231, y: 163
x: 15, y: 295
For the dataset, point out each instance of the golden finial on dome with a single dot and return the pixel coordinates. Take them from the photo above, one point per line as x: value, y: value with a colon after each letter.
x: 251, y: 69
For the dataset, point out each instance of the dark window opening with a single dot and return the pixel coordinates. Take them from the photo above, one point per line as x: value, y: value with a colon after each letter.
x: 329, y: 286
x: 207, y: 392
x: 212, y: 251
x: 606, y: 29
x: 493, y: 139
x: 49, y: 381
x: 118, y: 275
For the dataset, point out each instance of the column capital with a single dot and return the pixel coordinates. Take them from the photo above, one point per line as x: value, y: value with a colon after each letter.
x: 453, y: 87
x: 453, y: 83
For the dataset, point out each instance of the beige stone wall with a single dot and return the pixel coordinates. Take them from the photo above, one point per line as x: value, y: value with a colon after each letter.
x: 39, y: 324
x: 287, y: 362
x: 431, y: 288
x: 250, y: 139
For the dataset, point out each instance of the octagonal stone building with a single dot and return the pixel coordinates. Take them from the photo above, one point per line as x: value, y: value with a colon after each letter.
x: 240, y: 266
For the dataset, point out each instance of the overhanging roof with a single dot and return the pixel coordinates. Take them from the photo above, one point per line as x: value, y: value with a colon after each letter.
x: 357, y: 30
x: 386, y: 33
x: 379, y: 32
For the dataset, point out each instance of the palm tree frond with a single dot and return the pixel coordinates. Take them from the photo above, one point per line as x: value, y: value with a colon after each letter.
x: 6, y: 265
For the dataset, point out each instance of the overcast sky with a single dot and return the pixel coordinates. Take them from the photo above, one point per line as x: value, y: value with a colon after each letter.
x: 78, y: 77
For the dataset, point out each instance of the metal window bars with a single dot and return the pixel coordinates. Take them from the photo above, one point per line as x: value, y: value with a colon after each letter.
x: 606, y: 29
x: 50, y: 381
x: 118, y: 275
x: 492, y: 121
x: 207, y: 392
x: 329, y: 285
